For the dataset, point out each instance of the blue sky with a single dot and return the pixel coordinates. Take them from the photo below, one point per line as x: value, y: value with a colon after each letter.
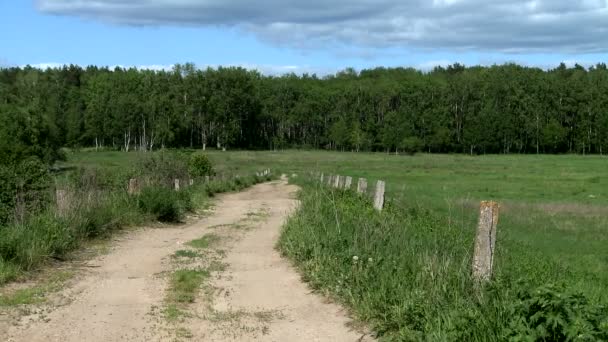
x: 317, y: 36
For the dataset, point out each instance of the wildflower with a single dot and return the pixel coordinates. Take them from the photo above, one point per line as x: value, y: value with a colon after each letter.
x: 355, y: 258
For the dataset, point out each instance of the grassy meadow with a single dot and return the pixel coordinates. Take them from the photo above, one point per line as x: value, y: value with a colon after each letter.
x: 552, y: 238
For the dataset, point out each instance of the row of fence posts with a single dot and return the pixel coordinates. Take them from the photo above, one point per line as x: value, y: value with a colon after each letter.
x: 485, y: 240
x: 263, y: 173
x: 346, y: 182
x: 134, y: 186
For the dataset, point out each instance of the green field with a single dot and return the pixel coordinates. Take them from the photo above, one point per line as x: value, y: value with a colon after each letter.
x: 554, y: 204
x: 553, y: 227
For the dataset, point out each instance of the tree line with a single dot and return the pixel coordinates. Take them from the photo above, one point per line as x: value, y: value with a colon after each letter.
x: 498, y: 109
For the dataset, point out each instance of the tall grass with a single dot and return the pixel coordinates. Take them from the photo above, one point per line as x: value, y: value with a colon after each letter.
x: 94, y: 213
x: 406, y: 271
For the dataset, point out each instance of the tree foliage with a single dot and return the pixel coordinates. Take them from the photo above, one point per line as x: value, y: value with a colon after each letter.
x: 498, y: 109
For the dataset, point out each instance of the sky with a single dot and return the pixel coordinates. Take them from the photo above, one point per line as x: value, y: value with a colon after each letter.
x: 311, y: 36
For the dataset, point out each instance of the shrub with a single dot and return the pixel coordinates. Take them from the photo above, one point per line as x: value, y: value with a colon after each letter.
x: 200, y: 165
x: 161, y: 202
x: 24, y: 189
x: 161, y: 168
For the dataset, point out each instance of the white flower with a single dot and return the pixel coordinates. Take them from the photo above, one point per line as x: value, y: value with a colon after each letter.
x: 355, y: 258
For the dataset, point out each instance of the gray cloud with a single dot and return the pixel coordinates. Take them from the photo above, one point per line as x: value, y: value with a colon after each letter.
x: 508, y: 26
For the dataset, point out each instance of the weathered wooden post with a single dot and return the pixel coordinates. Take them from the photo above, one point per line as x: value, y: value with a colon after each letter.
x: 483, y: 257
x: 362, y: 186
x: 133, y: 186
x: 176, y: 184
x: 63, y: 201
x: 348, y: 182
x: 321, y: 179
x: 379, y: 195
x: 337, y: 182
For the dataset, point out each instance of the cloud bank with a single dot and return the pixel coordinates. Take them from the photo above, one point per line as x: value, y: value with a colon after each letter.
x: 506, y: 26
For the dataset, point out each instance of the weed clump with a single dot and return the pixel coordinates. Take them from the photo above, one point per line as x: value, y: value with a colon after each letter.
x: 164, y: 204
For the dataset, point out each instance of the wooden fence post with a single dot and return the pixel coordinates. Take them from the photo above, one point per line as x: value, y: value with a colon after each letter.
x: 133, y: 186
x: 176, y: 184
x: 362, y: 186
x: 321, y: 178
x: 483, y: 257
x: 348, y: 182
x: 379, y: 196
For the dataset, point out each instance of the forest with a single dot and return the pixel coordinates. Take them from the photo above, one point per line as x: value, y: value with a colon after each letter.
x: 475, y: 110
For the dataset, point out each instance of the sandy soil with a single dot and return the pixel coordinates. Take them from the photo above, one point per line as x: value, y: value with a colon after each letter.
x: 252, y: 294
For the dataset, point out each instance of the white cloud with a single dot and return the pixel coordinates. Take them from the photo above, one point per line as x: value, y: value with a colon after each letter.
x: 52, y: 65
x: 44, y: 66
x: 265, y: 69
x: 511, y: 26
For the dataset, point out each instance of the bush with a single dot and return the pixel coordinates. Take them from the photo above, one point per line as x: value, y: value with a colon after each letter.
x: 163, y: 203
x: 200, y: 165
x: 161, y: 168
x: 24, y: 189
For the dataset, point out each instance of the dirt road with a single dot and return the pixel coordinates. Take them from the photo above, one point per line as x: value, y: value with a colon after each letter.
x: 251, y: 294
